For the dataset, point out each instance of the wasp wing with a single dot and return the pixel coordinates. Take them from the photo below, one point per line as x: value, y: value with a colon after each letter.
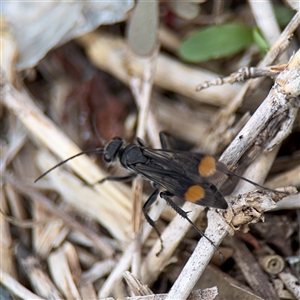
x: 173, y: 172
x: 189, y: 163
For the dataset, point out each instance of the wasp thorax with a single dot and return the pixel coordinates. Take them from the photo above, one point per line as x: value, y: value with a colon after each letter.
x: 135, y: 156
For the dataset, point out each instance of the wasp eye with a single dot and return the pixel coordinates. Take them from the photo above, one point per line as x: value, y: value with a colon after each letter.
x: 107, y: 157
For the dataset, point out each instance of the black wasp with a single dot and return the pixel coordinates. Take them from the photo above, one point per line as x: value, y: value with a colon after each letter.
x: 183, y: 174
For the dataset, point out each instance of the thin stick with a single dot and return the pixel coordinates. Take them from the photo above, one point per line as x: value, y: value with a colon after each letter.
x: 16, y: 288
x: 278, y: 110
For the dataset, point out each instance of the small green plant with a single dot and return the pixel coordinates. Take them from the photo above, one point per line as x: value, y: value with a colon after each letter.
x: 216, y: 42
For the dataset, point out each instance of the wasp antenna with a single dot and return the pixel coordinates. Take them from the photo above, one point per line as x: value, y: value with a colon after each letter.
x: 99, y: 136
x: 97, y: 150
x: 252, y: 182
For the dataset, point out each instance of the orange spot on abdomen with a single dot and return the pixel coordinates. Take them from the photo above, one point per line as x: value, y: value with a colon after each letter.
x: 207, y: 166
x: 194, y: 193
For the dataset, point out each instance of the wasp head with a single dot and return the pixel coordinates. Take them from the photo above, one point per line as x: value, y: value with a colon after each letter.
x: 112, y: 149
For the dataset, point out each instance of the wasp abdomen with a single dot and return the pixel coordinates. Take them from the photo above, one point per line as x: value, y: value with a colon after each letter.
x: 207, y: 166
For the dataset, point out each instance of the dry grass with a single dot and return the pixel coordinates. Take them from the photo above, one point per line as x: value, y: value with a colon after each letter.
x: 67, y: 237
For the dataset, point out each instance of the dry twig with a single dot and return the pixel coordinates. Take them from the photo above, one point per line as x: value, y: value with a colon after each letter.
x: 280, y: 107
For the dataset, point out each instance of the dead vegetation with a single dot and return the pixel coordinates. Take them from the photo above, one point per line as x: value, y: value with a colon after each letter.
x: 67, y: 237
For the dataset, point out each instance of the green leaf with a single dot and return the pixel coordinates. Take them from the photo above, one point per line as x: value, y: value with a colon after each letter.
x: 283, y: 15
x: 216, y: 42
x: 260, y: 41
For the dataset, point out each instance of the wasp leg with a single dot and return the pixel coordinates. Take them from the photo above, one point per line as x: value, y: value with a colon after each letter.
x: 163, y: 140
x: 147, y: 204
x: 120, y: 179
x: 140, y: 142
x: 167, y: 196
